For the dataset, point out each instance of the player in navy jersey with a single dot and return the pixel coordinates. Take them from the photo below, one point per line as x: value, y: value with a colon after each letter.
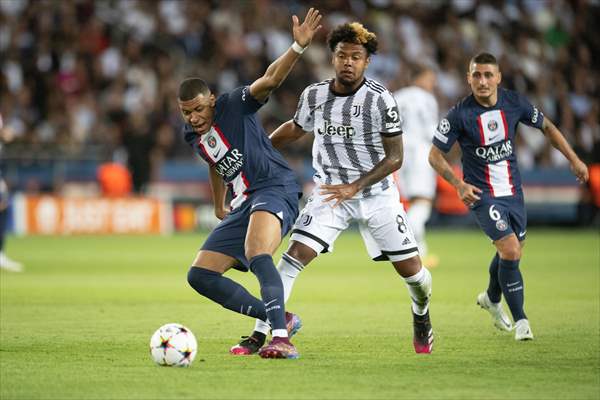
x: 226, y: 133
x: 6, y: 263
x: 484, y: 124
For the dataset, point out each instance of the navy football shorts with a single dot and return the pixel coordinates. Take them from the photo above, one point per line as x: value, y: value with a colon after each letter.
x: 229, y: 236
x: 501, y: 216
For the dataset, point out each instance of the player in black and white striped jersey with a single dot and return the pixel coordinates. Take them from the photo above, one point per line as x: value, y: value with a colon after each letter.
x: 349, y: 130
x: 357, y: 145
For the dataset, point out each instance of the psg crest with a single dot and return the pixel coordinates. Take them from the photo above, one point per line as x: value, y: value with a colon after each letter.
x: 501, y: 225
x: 212, y: 142
x: 492, y: 125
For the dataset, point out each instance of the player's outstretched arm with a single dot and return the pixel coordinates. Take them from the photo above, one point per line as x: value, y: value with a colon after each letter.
x: 394, y: 154
x: 559, y: 142
x: 467, y: 193
x: 285, y: 134
x: 218, y: 192
x: 280, y: 68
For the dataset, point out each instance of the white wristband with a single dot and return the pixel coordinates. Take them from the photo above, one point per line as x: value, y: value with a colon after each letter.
x: 297, y: 48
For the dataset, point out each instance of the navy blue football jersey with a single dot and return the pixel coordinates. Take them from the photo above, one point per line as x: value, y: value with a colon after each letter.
x: 486, y: 136
x: 240, y: 150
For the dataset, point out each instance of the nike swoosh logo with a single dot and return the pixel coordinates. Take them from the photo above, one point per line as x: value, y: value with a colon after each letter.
x: 521, y: 234
x: 215, y: 155
x: 512, y: 284
x: 258, y: 204
x: 270, y: 302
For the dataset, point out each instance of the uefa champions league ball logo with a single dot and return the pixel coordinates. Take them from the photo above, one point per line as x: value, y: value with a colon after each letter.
x: 444, y: 126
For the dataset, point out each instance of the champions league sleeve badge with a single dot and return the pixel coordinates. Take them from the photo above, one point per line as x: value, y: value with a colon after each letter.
x: 444, y: 126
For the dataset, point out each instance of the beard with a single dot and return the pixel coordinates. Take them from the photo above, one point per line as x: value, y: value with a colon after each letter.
x: 345, y: 80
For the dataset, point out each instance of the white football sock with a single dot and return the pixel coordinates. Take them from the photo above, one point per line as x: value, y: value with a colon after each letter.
x: 418, y: 214
x: 289, y: 268
x: 262, y: 327
x: 419, y: 287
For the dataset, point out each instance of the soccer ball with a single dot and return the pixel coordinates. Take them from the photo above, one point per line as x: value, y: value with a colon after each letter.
x: 173, y: 345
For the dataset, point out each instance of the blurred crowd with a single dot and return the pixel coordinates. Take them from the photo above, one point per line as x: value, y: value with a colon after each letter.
x: 98, y: 79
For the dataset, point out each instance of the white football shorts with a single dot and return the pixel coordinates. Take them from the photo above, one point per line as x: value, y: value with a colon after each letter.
x: 416, y: 178
x: 381, y: 220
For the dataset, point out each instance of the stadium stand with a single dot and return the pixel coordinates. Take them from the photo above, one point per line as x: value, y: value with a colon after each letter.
x: 88, y: 82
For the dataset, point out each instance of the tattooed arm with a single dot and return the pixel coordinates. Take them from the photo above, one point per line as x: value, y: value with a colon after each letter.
x: 391, y: 162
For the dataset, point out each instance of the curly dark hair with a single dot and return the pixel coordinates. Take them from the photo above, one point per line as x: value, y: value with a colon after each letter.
x: 353, y: 32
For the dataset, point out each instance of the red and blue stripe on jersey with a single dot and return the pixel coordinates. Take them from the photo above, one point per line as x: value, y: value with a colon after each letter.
x: 239, y: 149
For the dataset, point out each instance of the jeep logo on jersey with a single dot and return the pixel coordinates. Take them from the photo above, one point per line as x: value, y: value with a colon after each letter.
x: 340, y: 130
x: 492, y: 125
x: 230, y: 164
x: 212, y: 142
x: 495, y: 153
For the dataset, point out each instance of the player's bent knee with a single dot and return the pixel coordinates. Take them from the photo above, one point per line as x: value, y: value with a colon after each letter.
x: 408, y: 267
x: 509, y: 248
x: 301, y: 252
x: 510, y: 252
x: 201, y: 279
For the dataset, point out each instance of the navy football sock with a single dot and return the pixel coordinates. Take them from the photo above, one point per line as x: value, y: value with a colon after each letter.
x: 494, y: 291
x: 271, y: 289
x: 511, y: 281
x: 226, y: 292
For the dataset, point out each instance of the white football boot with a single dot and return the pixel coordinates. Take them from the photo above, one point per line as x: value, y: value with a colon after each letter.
x: 501, y: 320
x: 522, y: 330
x: 9, y: 265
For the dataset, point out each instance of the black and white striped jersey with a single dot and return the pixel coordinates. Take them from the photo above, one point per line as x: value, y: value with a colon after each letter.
x: 348, y: 131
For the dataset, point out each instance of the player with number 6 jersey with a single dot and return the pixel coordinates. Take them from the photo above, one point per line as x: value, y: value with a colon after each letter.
x: 485, y: 125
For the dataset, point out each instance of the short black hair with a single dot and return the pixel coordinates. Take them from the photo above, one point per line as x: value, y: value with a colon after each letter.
x: 192, y: 87
x: 484, y: 58
x: 353, y: 32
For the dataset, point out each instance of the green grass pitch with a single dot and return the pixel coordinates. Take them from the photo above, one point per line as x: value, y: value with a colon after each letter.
x: 76, y: 324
